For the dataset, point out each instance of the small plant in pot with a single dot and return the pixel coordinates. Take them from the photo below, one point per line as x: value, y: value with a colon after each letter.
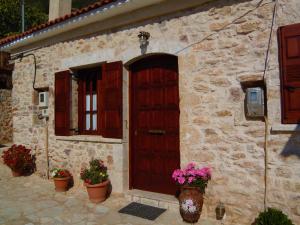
x: 272, y: 217
x: 61, y: 178
x: 19, y: 159
x: 193, y: 182
x: 96, y: 181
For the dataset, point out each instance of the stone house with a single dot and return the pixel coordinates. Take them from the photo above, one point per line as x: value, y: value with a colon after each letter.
x: 148, y: 107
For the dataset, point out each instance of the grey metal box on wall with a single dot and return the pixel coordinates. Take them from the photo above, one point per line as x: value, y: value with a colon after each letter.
x: 255, y: 102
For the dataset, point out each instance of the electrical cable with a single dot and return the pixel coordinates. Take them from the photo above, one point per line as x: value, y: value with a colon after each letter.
x: 21, y: 56
x: 270, y: 38
x: 266, y: 116
x: 226, y: 25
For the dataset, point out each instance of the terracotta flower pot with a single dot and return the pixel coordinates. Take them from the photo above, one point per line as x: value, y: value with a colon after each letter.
x: 61, y: 184
x: 16, y: 173
x: 190, y: 203
x: 97, y: 192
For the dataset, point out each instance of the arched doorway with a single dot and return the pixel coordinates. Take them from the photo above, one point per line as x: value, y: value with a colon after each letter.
x: 154, y: 123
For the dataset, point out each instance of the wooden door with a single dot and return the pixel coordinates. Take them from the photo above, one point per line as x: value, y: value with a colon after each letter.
x: 154, y: 124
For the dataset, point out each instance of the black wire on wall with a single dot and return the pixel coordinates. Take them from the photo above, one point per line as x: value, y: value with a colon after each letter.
x: 21, y: 56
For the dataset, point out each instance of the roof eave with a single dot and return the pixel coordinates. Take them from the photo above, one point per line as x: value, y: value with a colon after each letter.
x: 98, y: 14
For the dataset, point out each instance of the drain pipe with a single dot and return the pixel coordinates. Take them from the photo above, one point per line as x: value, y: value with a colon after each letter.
x: 47, y: 146
x: 266, y: 161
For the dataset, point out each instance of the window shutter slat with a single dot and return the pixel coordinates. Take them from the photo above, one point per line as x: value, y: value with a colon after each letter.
x: 111, y: 100
x: 80, y: 104
x: 289, y: 42
x: 62, y: 103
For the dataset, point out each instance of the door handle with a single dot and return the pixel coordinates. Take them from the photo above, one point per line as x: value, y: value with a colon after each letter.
x: 292, y: 88
x: 156, y: 132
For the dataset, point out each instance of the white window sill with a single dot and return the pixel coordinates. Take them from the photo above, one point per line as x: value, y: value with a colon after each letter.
x: 89, y: 138
x: 291, y: 128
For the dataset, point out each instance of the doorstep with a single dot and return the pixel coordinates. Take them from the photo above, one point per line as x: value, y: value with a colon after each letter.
x: 154, y: 199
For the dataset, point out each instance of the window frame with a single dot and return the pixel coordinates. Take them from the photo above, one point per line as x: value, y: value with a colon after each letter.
x: 84, y: 76
x: 109, y: 102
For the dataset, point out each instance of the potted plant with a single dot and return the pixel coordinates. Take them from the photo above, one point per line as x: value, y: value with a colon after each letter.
x: 272, y: 217
x: 61, y: 178
x: 96, y: 181
x: 19, y: 159
x: 193, y: 182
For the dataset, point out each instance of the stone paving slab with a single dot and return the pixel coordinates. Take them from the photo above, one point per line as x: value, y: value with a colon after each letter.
x: 33, y: 201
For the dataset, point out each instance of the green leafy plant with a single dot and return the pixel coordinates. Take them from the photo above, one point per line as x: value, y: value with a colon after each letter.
x: 96, y: 174
x: 10, y: 20
x: 272, y: 217
x: 19, y: 159
x: 60, y: 173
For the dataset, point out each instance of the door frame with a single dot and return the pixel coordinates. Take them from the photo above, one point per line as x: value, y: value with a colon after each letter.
x: 128, y: 66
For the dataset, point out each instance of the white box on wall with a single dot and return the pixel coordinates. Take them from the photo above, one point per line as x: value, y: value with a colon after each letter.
x: 43, y: 99
x: 45, y: 113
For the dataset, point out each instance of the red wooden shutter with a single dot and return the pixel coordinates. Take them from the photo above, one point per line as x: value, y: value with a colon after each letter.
x: 110, y: 101
x: 80, y: 104
x: 289, y: 42
x: 62, y: 103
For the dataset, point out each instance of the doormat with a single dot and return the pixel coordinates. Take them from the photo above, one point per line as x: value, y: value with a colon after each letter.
x: 1, y: 146
x: 143, y: 211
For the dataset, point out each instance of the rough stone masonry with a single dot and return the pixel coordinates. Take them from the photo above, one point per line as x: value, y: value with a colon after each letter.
x: 5, y: 116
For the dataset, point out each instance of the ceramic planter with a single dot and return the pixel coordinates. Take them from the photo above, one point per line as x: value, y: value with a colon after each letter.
x: 61, y: 184
x: 97, y: 192
x: 16, y: 173
x: 190, y: 203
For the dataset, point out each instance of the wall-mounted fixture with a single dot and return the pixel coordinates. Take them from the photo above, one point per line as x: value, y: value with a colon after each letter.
x: 43, y: 103
x: 220, y: 211
x: 255, y: 102
x: 45, y: 112
x: 143, y: 39
x: 43, y: 99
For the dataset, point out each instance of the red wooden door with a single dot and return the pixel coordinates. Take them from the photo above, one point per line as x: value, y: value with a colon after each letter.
x: 155, y: 124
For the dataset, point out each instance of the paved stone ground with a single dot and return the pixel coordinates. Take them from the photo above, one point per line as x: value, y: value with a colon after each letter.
x: 32, y: 201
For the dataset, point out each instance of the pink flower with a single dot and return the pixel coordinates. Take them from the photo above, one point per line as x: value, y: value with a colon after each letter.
x: 192, y: 172
x: 177, y: 173
x: 181, y: 180
x: 191, y: 175
x: 191, y: 166
x: 191, y: 179
x: 204, y: 172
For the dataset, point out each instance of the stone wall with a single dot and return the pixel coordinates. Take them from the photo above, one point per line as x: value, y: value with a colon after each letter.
x: 219, y: 45
x: 283, y: 189
x: 6, y: 130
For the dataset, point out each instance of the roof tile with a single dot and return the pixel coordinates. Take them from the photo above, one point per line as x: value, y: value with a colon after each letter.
x: 56, y: 21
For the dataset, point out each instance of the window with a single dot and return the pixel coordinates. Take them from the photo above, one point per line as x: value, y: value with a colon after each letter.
x: 99, y: 101
x: 289, y: 52
x: 87, y: 92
